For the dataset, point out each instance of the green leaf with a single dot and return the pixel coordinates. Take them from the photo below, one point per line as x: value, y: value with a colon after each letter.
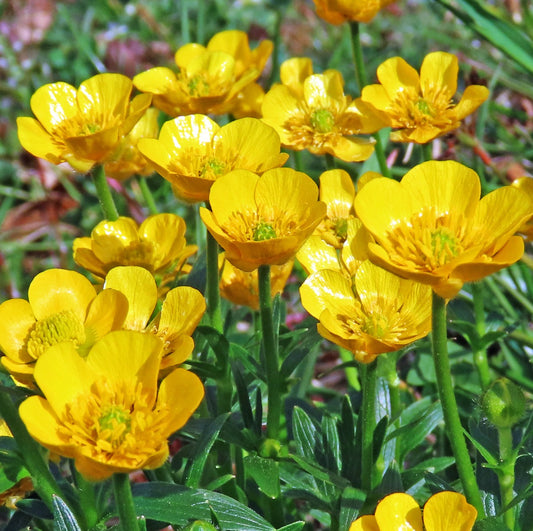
x: 490, y: 524
x: 216, y: 341
x: 295, y: 526
x: 265, y: 472
x: 331, y: 443
x: 243, y: 397
x: 178, y: 505
x: 350, y: 504
x: 195, y: 466
x: 305, y: 433
x: 64, y: 520
x: 319, y: 472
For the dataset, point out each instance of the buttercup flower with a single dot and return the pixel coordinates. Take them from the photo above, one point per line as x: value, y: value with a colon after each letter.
x: 127, y: 159
x: 262, y: 220
x: 526, y: 185
x: 372, y: 313
x: 339, y: 11
x: 62, y: 306
x: 432, y: 227
x: 443, y: 511
x: 421, y: 107
x: 181, y: 311
x: 82, y: 127
x: 310, y: 111
x: 106, y: 411
x: 193, y: 151
x: 158, y: 245
x: 241, y: 287
x: 210, y: 78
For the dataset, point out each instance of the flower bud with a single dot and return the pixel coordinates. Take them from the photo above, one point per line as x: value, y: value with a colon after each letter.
x: 503, y: 403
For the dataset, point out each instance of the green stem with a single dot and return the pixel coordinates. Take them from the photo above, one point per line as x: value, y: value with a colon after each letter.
x: 124, y: 502
x: 454, y: 429
x: 270, y: 350
x: 362, y: 81
x: 480, y: 354
x: 427, y: 151
x: 104, y: 193
x: 148, y: 197
x: 212, y: 289
x: 388, y: 362
x: 297, y: 159
x: 352, y: 376
x: 87, y: 499
x: 519, y: 297
x: 184, y: 18
x: 507, y: 476
x: 330, y: 161
x: 368, y: 407
x: 31, y: 452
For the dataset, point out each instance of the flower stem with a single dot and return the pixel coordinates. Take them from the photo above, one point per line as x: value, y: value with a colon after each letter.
x: 480, y: 354
x: 44, y: 483
x: 124, y: 502
x: 360, y: 75
x: 369, y: 380
x: 270, y: 350
x: 104, y: 193
x: 454, y: 428
x: 148, y: 197
x: 212, y: 289
x: 506, y: 476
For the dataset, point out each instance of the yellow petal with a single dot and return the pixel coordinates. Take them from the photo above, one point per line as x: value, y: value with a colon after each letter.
x: 158, y: 80
x: 140, y: 289
x: 377, y: 96
x: 338, y: 192
x: 107, y: 94
x: 85, y: 257
x: 396, y: 75
x: 279, y: 106
x: 399, y: 511
x: 294, y: 71
x: 188, y: 53
x: 350, y: 149
x: 183, y: 391
x: 439, y: 73
x: 35, y: 139
x: 180, y: 351
x: 111, y: 237
x: 315, y: 254
x: 53, y: 104
x: 320, y: 89
x: 182, y: 310
x: 365, y: 523
x: 107, y: 312
x: 57, y: 290
x: 16, y: 320
x: 473, y: 97
x: 449, y: 510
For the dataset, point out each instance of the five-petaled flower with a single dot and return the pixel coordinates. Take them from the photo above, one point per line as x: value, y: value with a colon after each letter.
x: 420, y: 107
x: 432, y: 226
x: 310, y: 111
x: 339, y: 11
x: 83, y: 127
x: 445, y: 510
x: 262, y: 220
x: 106, y: 411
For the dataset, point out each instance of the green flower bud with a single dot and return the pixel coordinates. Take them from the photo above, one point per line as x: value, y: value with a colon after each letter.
x: 270, y: 448
x: 503, y: 403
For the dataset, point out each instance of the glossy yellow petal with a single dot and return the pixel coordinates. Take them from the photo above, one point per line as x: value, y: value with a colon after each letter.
x: 378, y: 97
x: 62, y: 374
x: 139, y: 287
x: 180, y: 349
x: 107, y: 312
x: 338, y: 192
x: 365, y: 523
x: 439, y: 72
x: 188, y: 54
x: 54, y: 104
x: 158, y: 80
x: 350, y: 149
x: 43, y: 425
x: 59, y: 290
x: 472, y: 98
x: 107, y: 94
x: 110, y: 237
x: 399, y: 511
x: 188, y: 132
x: 85, y: 257
x: 127, y: 355
x: 182, y: 310
x: 293, y: 73
x: 183, y: 391
x: 396, y: 75
x: 35, y: 139
x: 319, y: 89
x: 315, y: 255
x: 16, y: 320
x: 449, y: 510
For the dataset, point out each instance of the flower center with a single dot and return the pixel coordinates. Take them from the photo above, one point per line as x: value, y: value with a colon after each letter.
x: 213, y: 167
x: 322, y: 120
x: 263, y: 231
x: 444, y: 245
x: 341, y: 228
x: 58, y: 328
x: 115, y: 424
x: 375, y: 325
x: 198, y: 86
x: 424, y: 107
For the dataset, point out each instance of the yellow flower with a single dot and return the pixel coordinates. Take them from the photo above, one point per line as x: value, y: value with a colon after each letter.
x: 262, y: 220
x: 433, y: 228
x: 193, y: 151
x: 339, y: 11
x: 127, y: 159
x: 526, y: 184
x: 241, y: 287
x: 444, y: 511
x: 181, y: 311
x: 421, y: 107
x: 372, y: 313
x: 82, y: 127
x: 62, y: 306
x: 210, y: 78
x: 310, y: 111
x: 106, y: 411
x: 158, y: 245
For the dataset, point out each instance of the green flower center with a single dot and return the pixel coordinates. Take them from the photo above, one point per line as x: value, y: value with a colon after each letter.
x: 341, y: 228
x: 444, y: 245
x: 115, y: 424
x: 58, y: 328
x: 198, y: 86
x: 263, y: 231
x: 375, y: 325
x: 424, y: 107
x: 89, y: 129
x: 213, y: 167
x: 322, y: 120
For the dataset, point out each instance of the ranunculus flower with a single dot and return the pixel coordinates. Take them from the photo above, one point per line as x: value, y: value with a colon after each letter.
x: 339, y: 11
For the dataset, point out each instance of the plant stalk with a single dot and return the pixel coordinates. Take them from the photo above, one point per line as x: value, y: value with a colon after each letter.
x: 124, y: 502
x: 368, y: 411
x: 480, y: 354
x: 104, y: 193
x: 147, y: 195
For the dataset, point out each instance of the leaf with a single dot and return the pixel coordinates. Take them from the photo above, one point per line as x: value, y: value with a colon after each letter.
x: 350, y: 504
x: 64, y: 520
x: 305, y: 433
x: 331, y: 443
x: 319, y: 472
x: 295, y: 526
x: 195, y: 466
x: 178, y: 505
x: 265, y: 472
x: 490, y: 524
x: 216, y: 341
x: 243, y: 397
